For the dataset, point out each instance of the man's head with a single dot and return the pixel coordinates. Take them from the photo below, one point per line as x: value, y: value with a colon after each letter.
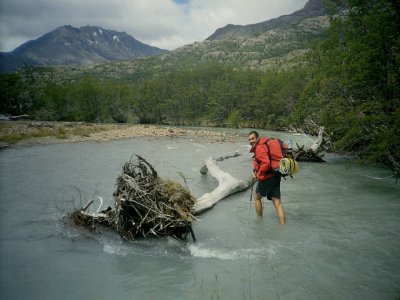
x: 253, y: 137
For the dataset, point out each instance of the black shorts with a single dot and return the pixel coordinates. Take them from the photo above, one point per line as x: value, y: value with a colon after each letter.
x: 269, y: 188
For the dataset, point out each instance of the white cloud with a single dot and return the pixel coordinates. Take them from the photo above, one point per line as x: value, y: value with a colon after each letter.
x: 161, y: 23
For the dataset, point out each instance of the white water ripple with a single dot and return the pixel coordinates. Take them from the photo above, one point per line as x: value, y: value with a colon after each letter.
x: 203, y: 251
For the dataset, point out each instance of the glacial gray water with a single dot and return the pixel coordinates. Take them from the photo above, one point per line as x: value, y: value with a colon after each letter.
x: 341, y: 240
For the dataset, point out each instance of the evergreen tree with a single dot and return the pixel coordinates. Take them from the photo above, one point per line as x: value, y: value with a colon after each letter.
x: 355, y: 81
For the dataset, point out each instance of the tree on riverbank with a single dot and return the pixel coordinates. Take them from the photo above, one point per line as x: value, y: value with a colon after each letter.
x: 354, y: 86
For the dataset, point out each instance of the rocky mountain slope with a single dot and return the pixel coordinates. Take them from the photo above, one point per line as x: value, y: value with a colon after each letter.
x: 312, y: 9
x: 276, y: 43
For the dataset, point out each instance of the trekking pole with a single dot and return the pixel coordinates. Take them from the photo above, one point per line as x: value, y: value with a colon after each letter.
x: 251, y: 193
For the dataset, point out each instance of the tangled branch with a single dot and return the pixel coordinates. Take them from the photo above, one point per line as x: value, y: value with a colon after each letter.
x: 145, y: 205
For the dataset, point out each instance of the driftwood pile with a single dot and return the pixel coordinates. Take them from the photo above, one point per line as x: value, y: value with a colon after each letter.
x: 145, y: 206
x: 301, y: 154
x: 313, y: 153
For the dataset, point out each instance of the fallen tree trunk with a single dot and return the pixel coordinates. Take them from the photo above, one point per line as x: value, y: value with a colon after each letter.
x: 318, y: 143
x: 227, y: 185
x: 13, y: 118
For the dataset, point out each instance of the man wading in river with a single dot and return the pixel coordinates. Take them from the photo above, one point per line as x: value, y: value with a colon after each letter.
x: 268, y: 183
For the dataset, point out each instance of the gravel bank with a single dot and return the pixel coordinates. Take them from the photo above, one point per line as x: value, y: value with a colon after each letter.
x: 24, y: 133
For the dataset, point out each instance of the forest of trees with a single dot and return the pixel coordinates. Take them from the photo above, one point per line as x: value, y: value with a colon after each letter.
x: 349, y: 83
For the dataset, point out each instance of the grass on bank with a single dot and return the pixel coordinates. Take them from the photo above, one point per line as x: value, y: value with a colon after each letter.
x: 13, y: 132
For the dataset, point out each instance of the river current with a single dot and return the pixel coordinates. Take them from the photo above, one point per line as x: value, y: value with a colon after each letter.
x: 341, y: 240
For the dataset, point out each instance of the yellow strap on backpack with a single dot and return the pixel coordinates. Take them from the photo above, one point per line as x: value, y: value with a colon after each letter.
x: 288, y: 166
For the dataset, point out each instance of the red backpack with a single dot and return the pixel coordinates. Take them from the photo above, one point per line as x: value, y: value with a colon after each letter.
x: 277, y: 149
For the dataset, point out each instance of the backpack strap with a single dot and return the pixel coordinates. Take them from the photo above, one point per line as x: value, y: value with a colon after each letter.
x: 269, y: 151
x: 283, y: 149
x: 270, y: 171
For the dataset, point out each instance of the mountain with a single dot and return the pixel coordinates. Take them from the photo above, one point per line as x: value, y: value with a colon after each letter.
x: 67, y: 45
x: 312, y: 9
x: 276, y: 43
x: 280, y: 43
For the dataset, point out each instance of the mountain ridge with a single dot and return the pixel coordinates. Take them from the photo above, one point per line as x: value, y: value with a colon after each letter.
x: 279, y: 43
x: 313, y: 8
x: 81, y: 46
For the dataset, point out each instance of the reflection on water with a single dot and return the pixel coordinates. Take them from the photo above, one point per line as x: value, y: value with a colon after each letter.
x: 341, y: 240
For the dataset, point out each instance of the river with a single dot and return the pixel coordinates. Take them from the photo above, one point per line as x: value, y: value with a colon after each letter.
x: 341, y: 240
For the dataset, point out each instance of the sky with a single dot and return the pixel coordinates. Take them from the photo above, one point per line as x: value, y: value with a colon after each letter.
x: 166, y: 24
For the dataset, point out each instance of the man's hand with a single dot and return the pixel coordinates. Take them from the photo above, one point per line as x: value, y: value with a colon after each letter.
x: 254, y: 175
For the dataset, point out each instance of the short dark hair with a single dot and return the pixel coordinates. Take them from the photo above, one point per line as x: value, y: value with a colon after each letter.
x: 253, y: 132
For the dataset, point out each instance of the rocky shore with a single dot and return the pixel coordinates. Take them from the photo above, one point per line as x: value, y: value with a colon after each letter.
x: 24, y: 133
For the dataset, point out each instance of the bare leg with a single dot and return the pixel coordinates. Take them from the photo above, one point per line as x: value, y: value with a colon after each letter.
x: 258, y: 205
x: 279, y: 210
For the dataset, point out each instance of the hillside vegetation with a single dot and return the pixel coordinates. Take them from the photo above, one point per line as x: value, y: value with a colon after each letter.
x: 339, y: 71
